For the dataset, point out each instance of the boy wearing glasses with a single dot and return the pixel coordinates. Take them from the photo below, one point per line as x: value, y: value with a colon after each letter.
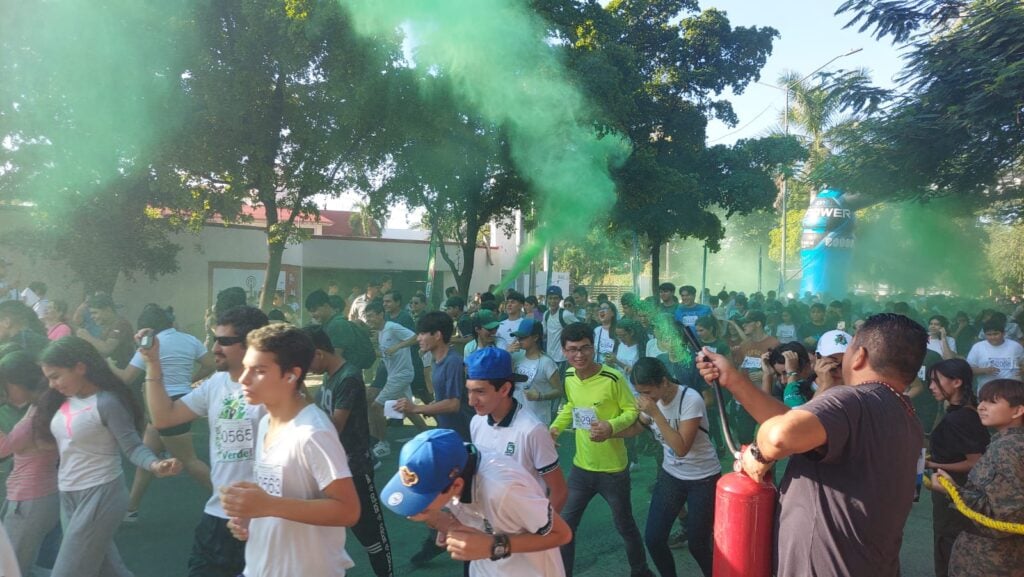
x: 599, y: 405
x: 233, y: 427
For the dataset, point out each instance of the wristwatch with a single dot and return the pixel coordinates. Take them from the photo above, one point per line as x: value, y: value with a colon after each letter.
x: 500, y: 549
x: 755, y: 452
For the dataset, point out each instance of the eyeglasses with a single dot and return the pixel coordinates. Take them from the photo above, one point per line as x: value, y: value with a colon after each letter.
x: 228, y: 341
x: 580, y: 351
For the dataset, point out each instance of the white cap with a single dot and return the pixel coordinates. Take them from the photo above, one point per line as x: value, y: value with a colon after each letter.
x: 833, y: 342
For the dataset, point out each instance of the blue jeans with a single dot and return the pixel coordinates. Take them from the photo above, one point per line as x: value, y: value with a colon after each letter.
x: 614, y: 488
x: 670, y: 494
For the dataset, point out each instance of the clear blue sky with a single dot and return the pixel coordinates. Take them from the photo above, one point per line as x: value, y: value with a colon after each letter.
x: 810, y: 35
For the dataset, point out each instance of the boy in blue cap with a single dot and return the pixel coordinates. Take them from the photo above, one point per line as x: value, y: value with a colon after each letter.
x: 503, y: 425
x: 485, y: 507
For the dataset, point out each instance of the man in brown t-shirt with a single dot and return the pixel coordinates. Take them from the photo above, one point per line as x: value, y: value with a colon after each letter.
x: 117, y: 340
x: 853, y: 453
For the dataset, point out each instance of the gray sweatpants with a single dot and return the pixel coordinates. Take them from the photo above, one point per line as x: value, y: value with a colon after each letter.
x: 90, y: 518
x: 27, y: 523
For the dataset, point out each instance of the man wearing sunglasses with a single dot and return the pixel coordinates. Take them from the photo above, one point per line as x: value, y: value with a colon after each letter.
x: 233, y: 428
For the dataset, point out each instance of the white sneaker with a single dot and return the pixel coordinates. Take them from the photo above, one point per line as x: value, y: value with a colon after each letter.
x: 381, y: 449
x: 131, y: 517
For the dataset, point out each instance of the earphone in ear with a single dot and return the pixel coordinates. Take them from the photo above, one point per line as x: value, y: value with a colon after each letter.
x: 291, y: 378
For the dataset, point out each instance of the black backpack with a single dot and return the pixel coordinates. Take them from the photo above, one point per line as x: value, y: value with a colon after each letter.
x: 359, y: 351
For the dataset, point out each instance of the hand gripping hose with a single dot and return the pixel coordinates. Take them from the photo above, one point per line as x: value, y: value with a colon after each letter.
x: 954, y: 495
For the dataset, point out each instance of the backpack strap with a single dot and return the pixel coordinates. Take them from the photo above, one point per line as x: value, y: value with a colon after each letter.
x: 679, y: 414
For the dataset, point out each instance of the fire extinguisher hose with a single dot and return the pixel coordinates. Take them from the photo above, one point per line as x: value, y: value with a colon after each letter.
x: 984, y: 521
x: 695, y: 347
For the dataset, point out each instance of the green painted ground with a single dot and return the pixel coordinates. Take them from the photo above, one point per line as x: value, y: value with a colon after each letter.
x: 158, y: 545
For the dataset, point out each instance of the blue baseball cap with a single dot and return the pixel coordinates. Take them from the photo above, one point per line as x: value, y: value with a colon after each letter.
x: 427, y: 466
x: 528, y: 327
x: 554, y: 290
x: 491, y: 363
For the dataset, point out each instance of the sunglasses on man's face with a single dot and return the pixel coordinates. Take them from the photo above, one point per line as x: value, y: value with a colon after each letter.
x: 228, y: 341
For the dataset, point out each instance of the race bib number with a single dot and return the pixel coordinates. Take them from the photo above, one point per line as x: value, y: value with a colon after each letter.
x: 234, y: 435
x: 528, y: 371
x: 268, y: 477
x: 1001, y: 363
x: 582, y: 417
x: 690, y: 320
x: 751, y: 363
x: 786, y: 334
x: 921, y: 373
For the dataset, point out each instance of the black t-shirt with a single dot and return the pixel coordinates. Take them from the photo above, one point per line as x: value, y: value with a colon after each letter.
x: 812, y: 331
x: 345, y: 390
x: 925, y: 405
x: 405, y: 319
x: 842, y: 507
x: 960, y: 432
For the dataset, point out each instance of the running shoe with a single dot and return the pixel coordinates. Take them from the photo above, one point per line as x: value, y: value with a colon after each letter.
x: 131, y: 517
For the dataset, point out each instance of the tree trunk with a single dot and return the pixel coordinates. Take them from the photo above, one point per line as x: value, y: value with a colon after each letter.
x: 273, y: 271
x: 655, y: 266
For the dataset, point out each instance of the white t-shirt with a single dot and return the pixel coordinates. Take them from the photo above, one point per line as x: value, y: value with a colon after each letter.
x: 399, y: 364
x: 1012, y: 332
x: 304, y: 458
x: 702, y: 460
x: 504, y: 337
x: 179, y: 353
x: 936, y: 344
x: 234, y: 425
x: 90, y: 433
x: 653, y: 350
x: 520, y: 436
x: 1006, y: 357
x: 785, y: 333
x: 509, y: 500
x: 553, y: 332
x: 628, y: 355
x: 604, y: 343
x: 538, y: 373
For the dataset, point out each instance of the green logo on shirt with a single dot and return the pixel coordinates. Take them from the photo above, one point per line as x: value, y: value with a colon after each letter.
x: 510, y: 449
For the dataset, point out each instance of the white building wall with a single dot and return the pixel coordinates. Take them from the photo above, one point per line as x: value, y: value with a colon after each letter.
x: 190, y: 290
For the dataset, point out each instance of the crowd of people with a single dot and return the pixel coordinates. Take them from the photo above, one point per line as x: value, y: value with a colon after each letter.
x: 842, y: 402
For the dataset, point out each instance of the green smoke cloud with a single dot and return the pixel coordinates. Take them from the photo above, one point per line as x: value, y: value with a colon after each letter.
x: 87, y: 91
x: 496, y: 55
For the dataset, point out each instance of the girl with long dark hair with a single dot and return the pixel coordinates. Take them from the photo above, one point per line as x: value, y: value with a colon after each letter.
x: 97, y: 419
x: 677, y: 417
x: 957, y: 442
x: 32, y: 507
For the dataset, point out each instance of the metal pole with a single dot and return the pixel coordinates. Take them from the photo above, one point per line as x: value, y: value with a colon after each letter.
x: 635, y: 263
x: 759, y: 267
x: 704, y: 275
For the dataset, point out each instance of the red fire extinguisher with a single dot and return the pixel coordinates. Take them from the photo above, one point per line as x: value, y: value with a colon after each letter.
x: 744, y: 509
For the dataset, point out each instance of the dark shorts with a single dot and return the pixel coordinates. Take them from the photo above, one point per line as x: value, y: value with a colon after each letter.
x: 215, y: 551
x: 176, y: 429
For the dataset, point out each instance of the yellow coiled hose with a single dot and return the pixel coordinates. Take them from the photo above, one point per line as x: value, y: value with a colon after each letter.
x: 954, y: 495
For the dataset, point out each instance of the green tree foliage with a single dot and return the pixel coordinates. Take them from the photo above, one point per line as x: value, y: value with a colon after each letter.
x: 90, y: 94
x: 285, y: 98
x: 1006, y: 246
x: 454, y: 166
x: 599, y: 254
x: 955, y: 127
x: 655, y: 68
